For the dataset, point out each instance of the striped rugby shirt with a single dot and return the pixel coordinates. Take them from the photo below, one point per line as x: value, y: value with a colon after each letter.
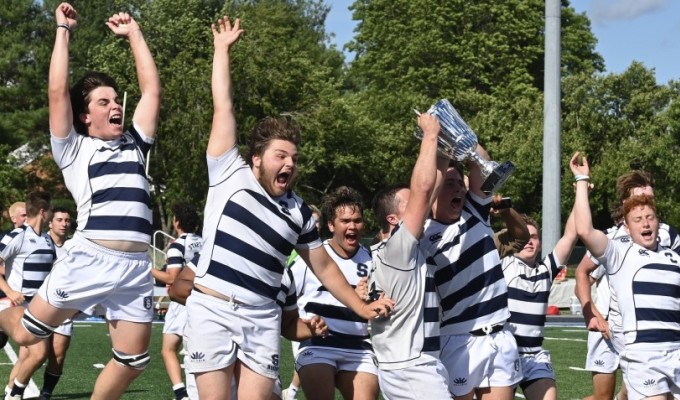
x: 346, y: 329
x: 467, y: 269
x: 29, y: 257
x: 108, y: 183
x: 248, y: 235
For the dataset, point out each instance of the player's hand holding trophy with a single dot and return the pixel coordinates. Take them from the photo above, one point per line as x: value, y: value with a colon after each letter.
x: 458, y: 142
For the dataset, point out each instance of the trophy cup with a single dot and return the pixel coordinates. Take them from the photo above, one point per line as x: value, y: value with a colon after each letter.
x: 458, y: 142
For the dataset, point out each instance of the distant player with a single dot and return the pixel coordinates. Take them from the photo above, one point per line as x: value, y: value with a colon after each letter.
x: 407, y: 342
x: 253, y: 221
x: 28, y: 252
x: 529, y: 283
x: 185, y: 220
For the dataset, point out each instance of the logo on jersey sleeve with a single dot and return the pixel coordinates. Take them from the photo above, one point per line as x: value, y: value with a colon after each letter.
x: 436, y: 237
x: 61, y: 294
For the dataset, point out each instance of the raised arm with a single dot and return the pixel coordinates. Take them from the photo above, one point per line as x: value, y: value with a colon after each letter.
x: 61, y: 116
x: 223, y: 132
x: 516, y: 235
x: 149, y: 106
x: 595, y: 240
x: 424, y: 177
x: 567, y: 242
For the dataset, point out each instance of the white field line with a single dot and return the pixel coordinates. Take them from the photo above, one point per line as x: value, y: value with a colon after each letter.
x: 578, y: 369
x: 566, y: 339
x: 31, y: 389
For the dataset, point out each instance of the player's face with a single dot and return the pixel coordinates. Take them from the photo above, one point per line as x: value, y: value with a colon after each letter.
x: 449, y: 203
x: 643, y: 226
x: 532, y: 248
x: 276, y: 167
x: 104, y: 118
x: 60, y: 223
x: 19, y: 217
x: 347, y: 228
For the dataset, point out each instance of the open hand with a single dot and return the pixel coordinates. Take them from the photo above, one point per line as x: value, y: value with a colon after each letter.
x: 224, y: 33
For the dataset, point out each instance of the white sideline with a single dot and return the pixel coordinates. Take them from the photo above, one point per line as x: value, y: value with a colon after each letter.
x: 31, y: 389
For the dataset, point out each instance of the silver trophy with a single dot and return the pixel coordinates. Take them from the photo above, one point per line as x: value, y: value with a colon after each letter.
x: 458, y: 142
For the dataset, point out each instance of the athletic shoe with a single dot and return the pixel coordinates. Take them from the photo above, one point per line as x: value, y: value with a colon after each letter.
x: 288, y: 394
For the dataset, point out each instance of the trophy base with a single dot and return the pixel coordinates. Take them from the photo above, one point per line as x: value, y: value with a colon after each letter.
x: 497, y: 177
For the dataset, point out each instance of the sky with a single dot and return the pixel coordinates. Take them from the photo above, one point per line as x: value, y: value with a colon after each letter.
x: 627, y: 30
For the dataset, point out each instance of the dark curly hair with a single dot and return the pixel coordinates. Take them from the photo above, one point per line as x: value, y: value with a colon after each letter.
x: 272, y: 128
x: 343, y: 196
x: 186, y: 216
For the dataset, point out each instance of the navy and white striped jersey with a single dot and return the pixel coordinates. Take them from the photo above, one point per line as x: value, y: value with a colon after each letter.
x: 606, y: 302
x: 647, y: 285
x: 528, y: 292
x: 29, y: 256
x: 410, y: 335
x: 467, y: 269
x: 248, y: 235
x: 287, y: 298
x: 346, y: 329
x: 183, y: 249
x: 108, y: 183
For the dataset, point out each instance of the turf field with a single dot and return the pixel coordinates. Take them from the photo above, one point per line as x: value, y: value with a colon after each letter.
x: 90, y: 350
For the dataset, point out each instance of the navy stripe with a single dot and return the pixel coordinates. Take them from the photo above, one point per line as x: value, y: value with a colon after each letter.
x: 226, y: 273
x: 175, y: 260
x: 657, y: 336
x: 662, y: 267
x: 258, y: 227
x: 473, y: 287
x: 32, y: 284
x: 537, y: 320
x: 431, y: 314
x: 335, y: 312
x: 430, y: 285
x: 554, y: 267
x: 37, y: 267
x: 482, y: 209
x: 118, y: 223
x: 431, y: 343
x: 266, y: 202
x: 544, y: 276
x: 143, y: 146
x: 177, y: 246
x: 122, y: 194
x: 249, y: 252
x: 534, y: 297
x: 484, y: 308
x: 657, y: 314
x: 309, y: 237
x: 656, y: 288
x: 338, y: 342
x: 528, y: 341
x: 104, y: 168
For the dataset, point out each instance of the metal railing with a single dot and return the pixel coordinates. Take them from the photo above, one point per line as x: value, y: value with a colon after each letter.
x: 159, y: 243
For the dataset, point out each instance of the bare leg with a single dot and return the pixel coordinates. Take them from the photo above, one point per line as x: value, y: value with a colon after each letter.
x: 357, y: 385
x: 126, y: 337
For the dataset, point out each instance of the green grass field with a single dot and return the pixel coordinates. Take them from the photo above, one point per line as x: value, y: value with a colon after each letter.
x: 90, y: 349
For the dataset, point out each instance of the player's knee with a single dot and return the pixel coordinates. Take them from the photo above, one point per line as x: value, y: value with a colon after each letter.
x: 35, y: 327
x: 135, y: 361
